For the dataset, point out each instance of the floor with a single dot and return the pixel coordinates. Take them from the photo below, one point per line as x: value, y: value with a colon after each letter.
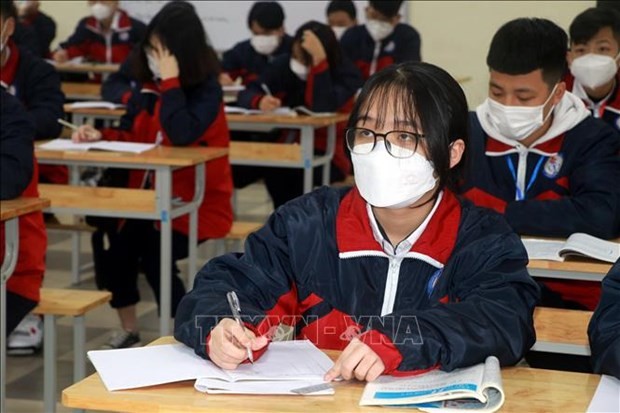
x: 25, y: 374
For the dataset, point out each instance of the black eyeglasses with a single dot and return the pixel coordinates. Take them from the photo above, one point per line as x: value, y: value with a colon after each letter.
x: 399, y: 144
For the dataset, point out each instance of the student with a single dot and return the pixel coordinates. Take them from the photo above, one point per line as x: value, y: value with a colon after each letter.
x: 341, y: 15
x: 44, y: 26
x: 593, y: 61
x: 107, y: 36
x: 179, y: 103
x: 382, y: 41
x: 117, y: 87
x: 18, y: 177
x: 248, y: 59
x: 35, y: 83
x: 538, y: 157
x: 604, y: 328
x: 317, y: 76
x: 397, y: 272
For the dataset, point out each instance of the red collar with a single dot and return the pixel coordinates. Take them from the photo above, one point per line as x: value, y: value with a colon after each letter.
x: 7, y: 75
x: 354, y: 233
x: 124, y: 23
x: 548, y: 148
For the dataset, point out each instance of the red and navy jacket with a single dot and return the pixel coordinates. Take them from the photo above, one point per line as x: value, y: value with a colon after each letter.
x: 572, y: 187
x: 245, y: 62
x: 117, y: 86
x: 603, y: 330
x: 462, y: 292
x: 94, y: 45
x: 403, y: 45
x: 607, y: 109
x: 183, y: 117
x: 44, y: 28
x: 327, y: 89
x: 20, y: 178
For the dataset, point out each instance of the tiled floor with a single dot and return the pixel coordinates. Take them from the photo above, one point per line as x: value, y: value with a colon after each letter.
x: 25, y: 374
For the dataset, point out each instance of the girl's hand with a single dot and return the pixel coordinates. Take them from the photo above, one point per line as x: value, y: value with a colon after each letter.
x: 228, y: 343
x: 86, y: 133
x: 269, y: 103
x: 168, y: 64
x: 61, y: 56
x: 357, y: 361
x: 226, y: 80
x: 311, y: 44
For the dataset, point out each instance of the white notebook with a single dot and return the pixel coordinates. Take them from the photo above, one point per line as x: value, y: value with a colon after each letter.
x: 577, y: 244
x: 112, y: 146
x: 95, y: 104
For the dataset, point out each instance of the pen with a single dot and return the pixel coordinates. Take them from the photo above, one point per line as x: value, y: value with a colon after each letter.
x: 68, y: 124
x: 266, y: 89
x: 233, y: 302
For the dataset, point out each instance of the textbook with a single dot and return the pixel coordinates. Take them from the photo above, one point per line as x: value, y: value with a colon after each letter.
x: 285, y: 366
x: 477, y: 388
x: 578, y: 244
x: 285, y: 110
x: 95, y: 104
x: 112, y: 146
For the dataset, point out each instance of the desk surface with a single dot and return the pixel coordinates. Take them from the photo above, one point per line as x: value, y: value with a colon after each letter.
x: 86, y: 67
x: 161, y: 155
x: 21, y: 206
x: 74, y: 89
x: 572, y: 264
x: 562, y: 326
x: 527, y: 389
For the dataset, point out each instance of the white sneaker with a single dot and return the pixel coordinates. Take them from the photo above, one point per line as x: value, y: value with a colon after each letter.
x: 27, y: 338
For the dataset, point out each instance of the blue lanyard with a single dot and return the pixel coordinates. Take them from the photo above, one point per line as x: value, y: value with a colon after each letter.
x: 511, y: 167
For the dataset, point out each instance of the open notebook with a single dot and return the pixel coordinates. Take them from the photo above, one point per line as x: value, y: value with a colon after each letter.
x: 285, y: 366
x: 95, y: 104
x: 577, y: 244
x: 112, y: 146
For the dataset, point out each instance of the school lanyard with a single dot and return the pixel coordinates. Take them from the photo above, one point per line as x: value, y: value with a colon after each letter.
x: 511, y: 167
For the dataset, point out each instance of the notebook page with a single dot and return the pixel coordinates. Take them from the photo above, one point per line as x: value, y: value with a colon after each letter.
x: 540, y: 249
x: 65, y: 145
x: 116, y: 146
x: 592, y: 247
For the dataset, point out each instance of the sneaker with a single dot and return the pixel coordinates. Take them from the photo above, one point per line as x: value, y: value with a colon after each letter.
x: 122, y: 339
x: 27, y: 338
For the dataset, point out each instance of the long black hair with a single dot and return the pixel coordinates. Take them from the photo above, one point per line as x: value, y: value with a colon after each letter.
x: 426, y: 96
x: 326, y: 37
x: 179, y: 29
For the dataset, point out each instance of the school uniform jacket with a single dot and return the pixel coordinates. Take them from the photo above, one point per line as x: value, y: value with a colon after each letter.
x: 19, y: 178
x: 326, y: 89
x: 403, y: 45
x: 44, y: 28
x: 37, y: 85
x: 93, y: 44
x: 245, y: 62
x: 459, y: 294
x: 604, y: 328
x: 117, y: 86
x: 173, y: 116
x: 607, y: 109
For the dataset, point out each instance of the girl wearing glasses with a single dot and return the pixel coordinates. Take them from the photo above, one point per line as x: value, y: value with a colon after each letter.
x: 397, y: 271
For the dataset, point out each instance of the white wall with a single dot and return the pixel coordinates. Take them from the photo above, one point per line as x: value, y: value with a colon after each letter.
x: 67, y: 14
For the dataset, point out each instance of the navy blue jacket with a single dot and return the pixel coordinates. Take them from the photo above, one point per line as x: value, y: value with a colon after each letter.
x: 37, y: 85
x: 45, y: 30
x: 245, y: 62
x: 403, y: 45
x: 462, y: 292
x: 118, y: 86
x: 576, y: 188
x: 26, y: 38
x: 604, y: 328
x: 16, y: 147
x: 607, y: 110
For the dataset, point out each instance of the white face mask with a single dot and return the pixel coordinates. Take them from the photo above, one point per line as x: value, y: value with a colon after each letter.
x: 300, y: 69
x: 339, y: 31
x: 265, y: 44
x: 378, y: 29
x: 517, y: 122
x: 101, y: 11
x: 153, y: 66
x: 385, y: 181
x: 594, y: 70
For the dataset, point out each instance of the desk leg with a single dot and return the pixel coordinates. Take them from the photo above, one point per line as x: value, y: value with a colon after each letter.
x: 74, y: 179
x: 163, y: 182
x: 307, y: 149
x: 79, y: 351
x: 193, y: 244
x: 331, y: 144
x: 49, y: 363
x: 11, y: 249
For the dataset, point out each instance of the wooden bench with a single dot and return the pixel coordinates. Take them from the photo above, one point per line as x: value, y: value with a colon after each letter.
x: 58, y: 303
x: 562, y: 331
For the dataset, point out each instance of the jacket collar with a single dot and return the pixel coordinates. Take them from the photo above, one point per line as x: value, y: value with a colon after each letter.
x: 354, y: 233
x: 9, y: 70
x: 551, y: 147
x: 120, y: 23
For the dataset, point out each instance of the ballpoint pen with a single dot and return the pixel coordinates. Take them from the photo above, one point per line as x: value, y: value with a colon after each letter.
x: 266, y: 89
x: 233, y: 302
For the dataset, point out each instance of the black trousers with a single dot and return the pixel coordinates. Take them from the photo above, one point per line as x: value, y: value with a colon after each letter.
x: 136, y: 246
x: 17, y: 307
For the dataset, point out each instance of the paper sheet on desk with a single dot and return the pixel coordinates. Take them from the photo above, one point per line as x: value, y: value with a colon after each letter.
x: 112, y: 146
x: 607, y: 396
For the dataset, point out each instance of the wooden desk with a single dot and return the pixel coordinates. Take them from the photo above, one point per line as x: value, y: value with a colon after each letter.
x: 527, y: 390
x: 163, y: 160
x: 81, y: 91
x: 572, y: 269
x: 10, y: 211
x: 562, y: 331
x: 101, y: 68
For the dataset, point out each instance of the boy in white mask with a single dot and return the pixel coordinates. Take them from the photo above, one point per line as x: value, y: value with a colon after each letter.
x: 248, y: 59
x: 383, y: 40
x: 341, y: 16
x: 593, y: 62
x: 402, y: 282
x: 538, y: 156
x: 106, y: 36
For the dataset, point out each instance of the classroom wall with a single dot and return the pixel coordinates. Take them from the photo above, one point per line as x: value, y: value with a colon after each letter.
x: 455, y: 34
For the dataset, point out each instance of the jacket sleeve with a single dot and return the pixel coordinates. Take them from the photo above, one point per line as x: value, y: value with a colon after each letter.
x: 76, y: 44
x: 26, y: 37
x: 124, y: 131
x: 593, y: 204
x: 117, y: 87
x: 45, y: 100
x: 186, y: 115
x: 604, y: 328
x: 261, y: 277
x: 231, y: 62
x: 274, y: 76
x: 16, y: 150
x: 327, y: 91
x: 46, y: 32
x: 489, y: 310
x: 409, y: 45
